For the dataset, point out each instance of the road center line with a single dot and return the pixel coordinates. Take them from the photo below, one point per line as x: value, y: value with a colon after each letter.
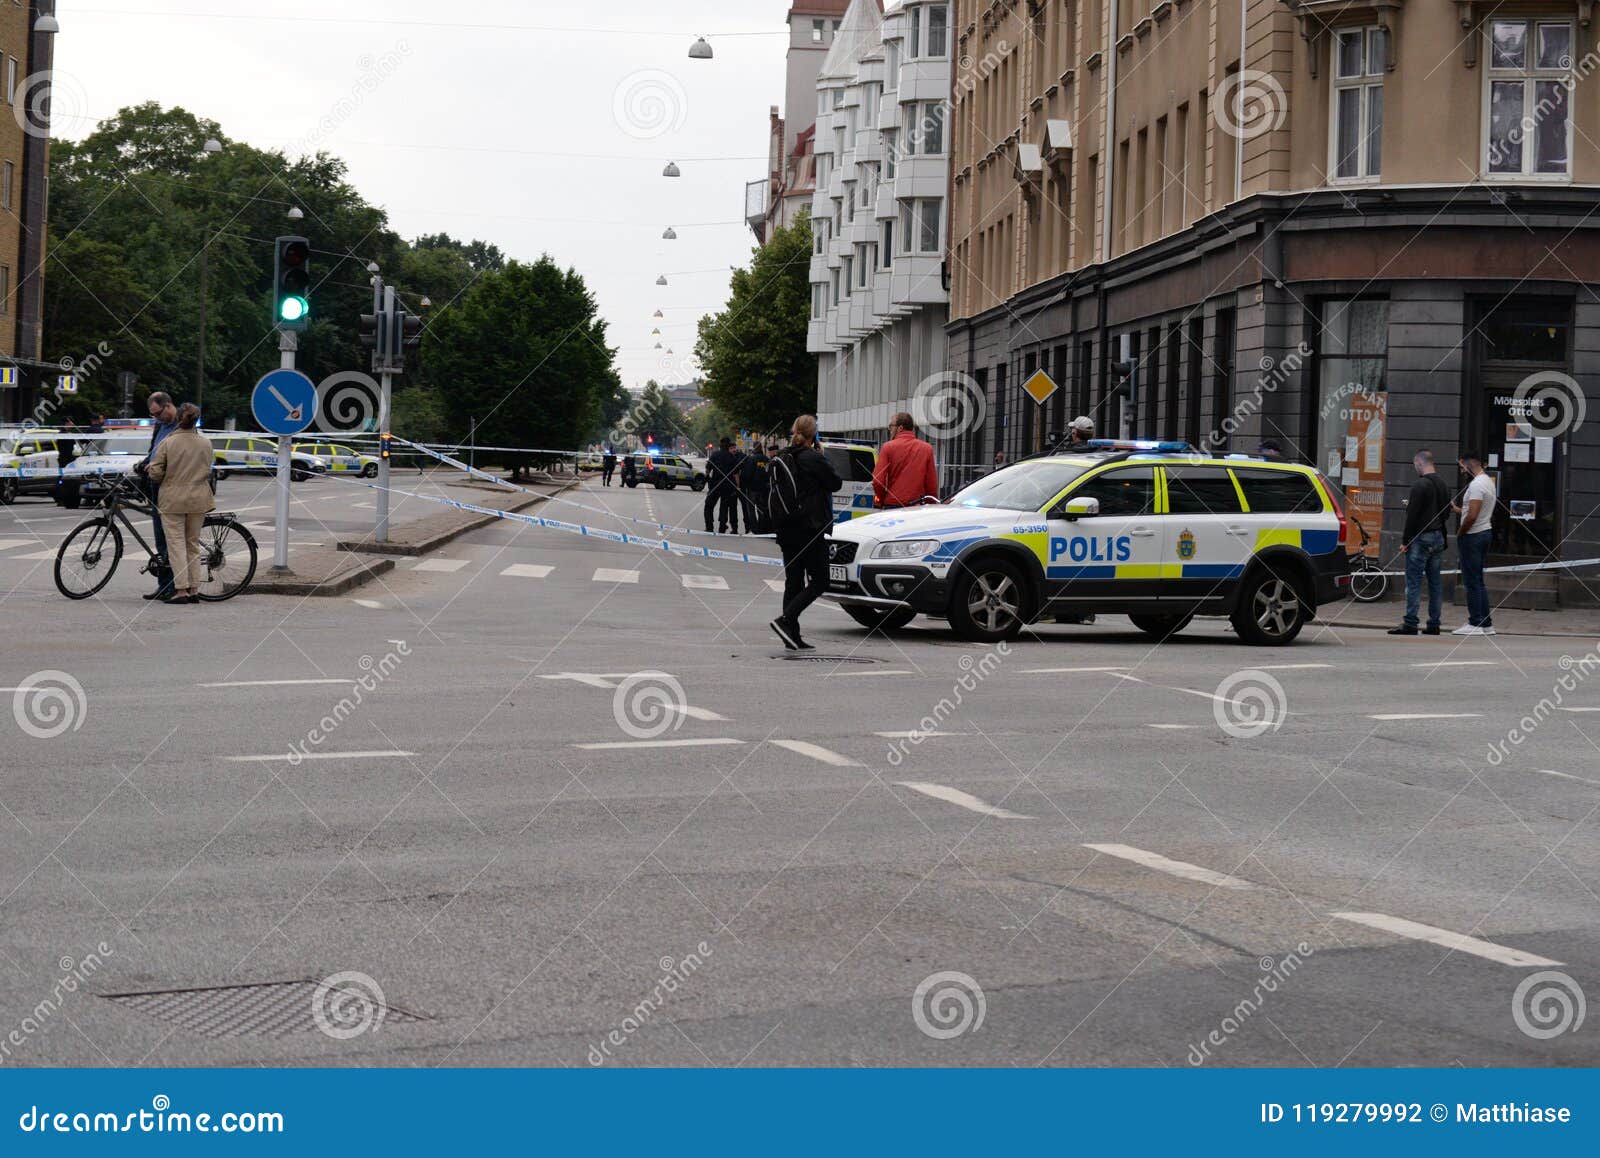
x: 1067, y: 670
x: 1426, y: 716
x: 960, y: 799
x: 1541, y: 771
x: 1459, y: 663
x: 896, y: 671
x: 1488, y: 950
x: 1176, y: 868
x: 286, y: 757
x: 818, y: 753
x: 695, y: 713
x: 1294, y: 666
x: 272, y: 683
x: 630, y: 744
x: 915, y: 735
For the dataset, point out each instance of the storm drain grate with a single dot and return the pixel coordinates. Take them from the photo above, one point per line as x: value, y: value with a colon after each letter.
x: 828, y: 659
x: 267, y: 1009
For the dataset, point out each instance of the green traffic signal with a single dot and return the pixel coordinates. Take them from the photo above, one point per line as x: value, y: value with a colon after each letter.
x: 293, y: 309
x: 291, y: 283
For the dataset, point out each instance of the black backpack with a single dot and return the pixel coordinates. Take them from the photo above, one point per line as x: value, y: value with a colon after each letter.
x: 785, y: 499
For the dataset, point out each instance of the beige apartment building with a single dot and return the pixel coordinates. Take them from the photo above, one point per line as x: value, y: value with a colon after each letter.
x: 25, y: 52
x: 1357, y: 227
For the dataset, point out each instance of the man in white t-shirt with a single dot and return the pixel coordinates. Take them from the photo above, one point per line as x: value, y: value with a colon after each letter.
x: 1472, y: 543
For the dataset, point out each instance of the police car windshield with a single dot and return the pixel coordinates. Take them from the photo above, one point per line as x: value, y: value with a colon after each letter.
x: 1025, y: 487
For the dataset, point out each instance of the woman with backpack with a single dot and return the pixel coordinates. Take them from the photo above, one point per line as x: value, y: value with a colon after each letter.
x: 800, y: 488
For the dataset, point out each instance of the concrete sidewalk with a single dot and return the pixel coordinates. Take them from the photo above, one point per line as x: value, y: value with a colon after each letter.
x: 1576, y: 622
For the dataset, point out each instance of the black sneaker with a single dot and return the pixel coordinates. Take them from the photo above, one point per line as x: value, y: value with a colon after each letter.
x: 790, y: 637
x: 1403, y: 629
x: 162, y: 595
x: 1431, y: 629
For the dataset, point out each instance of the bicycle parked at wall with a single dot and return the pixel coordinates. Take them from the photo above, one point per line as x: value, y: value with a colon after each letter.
x: 90, y: 554
x: 1368, y: 583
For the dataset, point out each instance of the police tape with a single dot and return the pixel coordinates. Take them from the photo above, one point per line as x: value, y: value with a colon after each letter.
x: 60, y: 474
x: 586, y: 531
x: 498, y: 481
x: 1557, y: 565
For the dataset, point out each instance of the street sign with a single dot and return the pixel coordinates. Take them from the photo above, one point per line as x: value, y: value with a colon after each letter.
x: 8, y: 375
x: 1040, y: 387
x: 66, y: 384
x: 284, y: 402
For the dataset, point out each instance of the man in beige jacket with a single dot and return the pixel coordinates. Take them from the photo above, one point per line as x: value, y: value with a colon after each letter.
x: 181, y: 466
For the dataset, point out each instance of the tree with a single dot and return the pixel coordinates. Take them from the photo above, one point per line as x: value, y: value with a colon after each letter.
x: 525, y: 353
x: 754, y: 353
x: 656, y: 414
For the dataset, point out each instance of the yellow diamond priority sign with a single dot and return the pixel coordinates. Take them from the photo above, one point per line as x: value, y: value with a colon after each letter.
x: 1040, y: 387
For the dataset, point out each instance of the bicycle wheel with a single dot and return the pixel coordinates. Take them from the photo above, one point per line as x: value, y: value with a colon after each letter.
x: 88, y: 558
x: 227, y: 558
x: 1368, y: 583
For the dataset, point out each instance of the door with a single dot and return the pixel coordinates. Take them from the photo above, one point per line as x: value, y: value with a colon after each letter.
x: 1208, y: 539
x: 1115, y: 555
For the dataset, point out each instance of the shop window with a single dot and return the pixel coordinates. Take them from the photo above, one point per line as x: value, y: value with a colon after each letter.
x: 1353, y: 404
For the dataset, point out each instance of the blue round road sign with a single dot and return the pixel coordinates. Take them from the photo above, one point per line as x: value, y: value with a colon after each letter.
x: 284, y: 402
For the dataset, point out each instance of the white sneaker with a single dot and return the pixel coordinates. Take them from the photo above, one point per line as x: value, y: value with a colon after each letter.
x: 1487, y: 631
x: 1467, y: 629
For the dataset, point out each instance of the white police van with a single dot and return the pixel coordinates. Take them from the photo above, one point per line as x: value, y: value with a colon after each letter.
x: 1154, y: 531
x: 258, y: 454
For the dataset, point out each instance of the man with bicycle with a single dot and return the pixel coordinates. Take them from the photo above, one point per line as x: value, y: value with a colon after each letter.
x: 166, y: 417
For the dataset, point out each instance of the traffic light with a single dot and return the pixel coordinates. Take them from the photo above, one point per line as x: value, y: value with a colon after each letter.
x: 410, y: 332
x: 291, y: 283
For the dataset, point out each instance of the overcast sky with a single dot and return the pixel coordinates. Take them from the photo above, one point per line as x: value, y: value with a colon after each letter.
x: 539, y: 126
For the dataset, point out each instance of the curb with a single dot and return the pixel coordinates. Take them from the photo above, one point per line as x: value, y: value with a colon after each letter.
x: 359, y: 573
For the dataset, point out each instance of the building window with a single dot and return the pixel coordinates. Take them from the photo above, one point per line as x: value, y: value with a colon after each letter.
x: 7, y: 174
x: 1529, y: 78
x: 845, y: 265
x: 891, y: 65
x: 891, y: 148
x: 816, y: 30
x: 11, y: 80
x: 865, y: 264
x: 928, y: 137
x: 1357, y: 136
x: 820, y: 238
x: 5, y: 289
x: 819, y: 303
x: 834, y: 277
x: 886, y: 245
x: 930, y: 31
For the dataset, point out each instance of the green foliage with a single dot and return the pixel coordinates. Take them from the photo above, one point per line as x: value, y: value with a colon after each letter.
x: 754, y: 353
x: 707, y: 424
x: 525, y: 355
x: 419, y: 414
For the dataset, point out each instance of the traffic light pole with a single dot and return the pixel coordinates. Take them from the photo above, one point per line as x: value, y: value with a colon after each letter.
x: 381, y: 534
x: 288, y: 343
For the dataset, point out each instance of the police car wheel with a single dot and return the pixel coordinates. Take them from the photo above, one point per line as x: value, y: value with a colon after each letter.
x: 698, y: 485
x: 1270, y: 612
x: 370, y: 470
x: 1161, y: 626
x: 989, y: 602
x: 8, y: 491
x: 661, y: 484
x: 881, y: 618
x: 222, y: 476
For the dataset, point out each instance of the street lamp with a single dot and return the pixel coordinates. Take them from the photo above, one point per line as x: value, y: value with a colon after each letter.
x: 658, y: 314
x: 46, y: 23
x: 671, y: 170
x: 669, y: 235
x: 662, y: 280
x: 700, y: 50
x: 294, y: 213
x: 211, y: 147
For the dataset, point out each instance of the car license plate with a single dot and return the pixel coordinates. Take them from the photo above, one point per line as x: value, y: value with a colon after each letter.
x: 838, y: 573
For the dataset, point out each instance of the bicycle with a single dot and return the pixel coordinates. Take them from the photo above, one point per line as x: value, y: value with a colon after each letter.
x: 91, y: 551
x: 1368, y: 583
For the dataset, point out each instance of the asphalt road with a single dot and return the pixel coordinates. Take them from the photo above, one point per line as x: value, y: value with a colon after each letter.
x: 1090, y: 852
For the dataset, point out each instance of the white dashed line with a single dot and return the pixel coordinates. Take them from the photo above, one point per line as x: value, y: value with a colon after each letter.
x: 916, y: 735
x: 527, y: 570
x: 612, y: 575
x: 961, y: 799
x: 1174, y: 727
x: 1567, y: 776
x: 273, y: 683
x: 37, y: 556
x: 628, y: 744
x: 705, y: 582
x: 893, y: 671
x: 818, y: 753
x: 298, y: 756
x: 1426, y: 716
x: 775, y: 585
x: 1459, y: 663
x: 1068, y: 670
x: 441, y: 565
x: 1294, y: 666
x: 371, y: 603
x: 1176, y: 868
x: 695, y: 713
x: 1580, y: 709
x: 7, y: 544
x: 1488, y: 950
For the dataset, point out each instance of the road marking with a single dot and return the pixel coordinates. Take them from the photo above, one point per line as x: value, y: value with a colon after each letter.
x: 582, y: 677
x: 272, y: 683
x: 285, y: 756
x: 1426, y: 716
x: 1175, y: 727
x: 259, y: 507
x: 372, y: 603
x: 695, y: 713
x: 527, y: 570
x: 1541, y: 771
x: 818, y: 753
x: 775, y: 585
x: 441, y: 565
x: 612, y: 575
x: 7, y: 544
x: 614, y: 744
x: 36, y: 556
x: 705, y: 582
x: 1401, y: 927
x: 1293, y: 666
x: 367, y: 506
x: 1177, y: 868
x: 1459, y: 663
x: 916, y: 735
x: 1580, y: 709
x: 887, y: 671
x: 960, y: 799
x: 1067, y: 670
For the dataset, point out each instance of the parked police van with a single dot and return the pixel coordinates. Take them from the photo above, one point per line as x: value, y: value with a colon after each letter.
x: 1154, y: 531
x: 855, y: 461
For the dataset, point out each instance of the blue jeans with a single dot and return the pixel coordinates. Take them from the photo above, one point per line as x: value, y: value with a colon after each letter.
x: 163, y: 574
x: 1422, y: 562
x: 1474, y: 551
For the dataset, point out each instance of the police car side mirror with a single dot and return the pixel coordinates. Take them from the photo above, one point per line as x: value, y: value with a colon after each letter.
x: 1084, y: 508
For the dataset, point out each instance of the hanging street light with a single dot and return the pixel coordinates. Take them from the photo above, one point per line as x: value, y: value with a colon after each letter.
x: 671, y: 170
x: 662, y: 280
x: 700, y: 50
x: 669, y: 235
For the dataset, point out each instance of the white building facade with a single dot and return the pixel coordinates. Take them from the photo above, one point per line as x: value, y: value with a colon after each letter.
x: 879, y: 300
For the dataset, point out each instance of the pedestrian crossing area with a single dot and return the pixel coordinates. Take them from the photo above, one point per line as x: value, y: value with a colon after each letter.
x: 603, y: 576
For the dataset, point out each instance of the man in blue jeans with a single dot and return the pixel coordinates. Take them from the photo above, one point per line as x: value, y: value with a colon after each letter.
x: 1472, y: 543
x: 1423, y: 542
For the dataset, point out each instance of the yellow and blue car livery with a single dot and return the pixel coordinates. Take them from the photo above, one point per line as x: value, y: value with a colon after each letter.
x: 1154, y: 531
x: 855, y: 462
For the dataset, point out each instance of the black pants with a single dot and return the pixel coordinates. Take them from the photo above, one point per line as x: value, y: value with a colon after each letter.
x: 755, y: 512
x: 163, y: 573
x: 805, y: 569
x: 726, y: 505
x: 605, y: 475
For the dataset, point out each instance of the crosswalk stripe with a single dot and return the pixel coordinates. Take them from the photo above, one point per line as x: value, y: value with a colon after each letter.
x: 1426, y: 716
x: 1176, y: 868
x: 613, y: 745
x: 1417, y: 931
x: 450, y: 565
x: 7, y: 544
x: 961, y: 800
x: 527, y: 570
x: 818, y: 753
x: 37, y: 555
x: 613, y: 575
x: 705, y: 582
x: 775, y: 585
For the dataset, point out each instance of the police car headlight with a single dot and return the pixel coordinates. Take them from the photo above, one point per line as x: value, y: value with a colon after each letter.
x: 906, y: 549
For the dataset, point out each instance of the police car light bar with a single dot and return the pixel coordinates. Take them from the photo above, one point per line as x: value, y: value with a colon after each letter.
x: 1139, y: 444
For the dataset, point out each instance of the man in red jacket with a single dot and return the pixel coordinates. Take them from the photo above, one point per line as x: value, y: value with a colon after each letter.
x: 905, y: 474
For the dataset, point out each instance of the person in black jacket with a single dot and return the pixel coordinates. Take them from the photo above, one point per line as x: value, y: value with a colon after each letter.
x: 753, y: 488
x: 803, y: 535
x: 722, y: 473
x: 1423, y: 542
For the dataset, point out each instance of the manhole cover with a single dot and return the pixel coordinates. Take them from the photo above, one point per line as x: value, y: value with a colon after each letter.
x: 270, y: 1009
x: 807, y: 658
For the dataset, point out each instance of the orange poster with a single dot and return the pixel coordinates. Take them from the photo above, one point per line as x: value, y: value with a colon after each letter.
x: 1362, y: 475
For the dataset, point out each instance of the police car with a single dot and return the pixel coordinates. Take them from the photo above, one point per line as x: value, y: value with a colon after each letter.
x: 1154, y: 531
x: 341, y: 459
x: 242, y: 454
x: 667, y: 471
x: 855, y: 461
